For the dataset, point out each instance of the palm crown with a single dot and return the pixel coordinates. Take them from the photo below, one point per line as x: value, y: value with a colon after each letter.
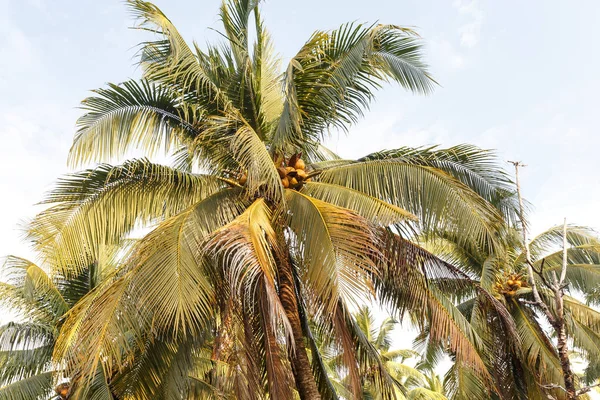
x: 259, y: 232
x: 523, y: 356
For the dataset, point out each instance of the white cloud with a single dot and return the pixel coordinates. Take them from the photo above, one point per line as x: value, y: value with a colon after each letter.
x: 470, y: 32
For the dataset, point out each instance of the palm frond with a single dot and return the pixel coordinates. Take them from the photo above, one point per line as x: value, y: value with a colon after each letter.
x: 36, y: 387
x: 169, y: 60
x: 477, y: 168
x: 336, y: 246
x: 33, y: 284
x: 330, y: 81
x: 132, y: 115
x: 536, y: 346
x: 99, y: 207
x: 246, y: 248
x: 401, y: 284
x: 576, y: 236
x: 441, y: 202
x: 371, y: 208
x: 235, y: 16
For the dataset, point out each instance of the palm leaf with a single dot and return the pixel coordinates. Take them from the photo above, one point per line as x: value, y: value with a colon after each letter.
x: 131, y: 115
x: 441, y: 202
x: 99, y: 207
x: 36, y: 387
x: 331, y: 79
x: 336, y: 247
x: 370, y: 208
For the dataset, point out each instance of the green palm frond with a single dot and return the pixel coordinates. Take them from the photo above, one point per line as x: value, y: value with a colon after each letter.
x: 252, y: 155
x: 441, y: 202
x: 170, y: 60
x: 371, y: 208
x: 401, y: 284
x: 586, y: 339
x: 536, y: 346
x: 583, y: 277
x: 97, y: 389
x: 336, y: 247
x: 131, y: 115
x: 474, y: 167
x: 268, y: 81
x: 99, y: 326
x: 330, y: 81
x: 100, y: 206
x: 32, y: 284
x: 460, y: 383
x: 235, y: 16
x: 36, y: 387
x: 17, y: 364
x: 582, y: 313
x: 425, y: 394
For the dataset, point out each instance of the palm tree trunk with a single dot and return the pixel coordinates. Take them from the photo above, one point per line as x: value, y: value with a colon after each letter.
x: 565, y: 364
x: 563, y: 347
x: 305, y: 381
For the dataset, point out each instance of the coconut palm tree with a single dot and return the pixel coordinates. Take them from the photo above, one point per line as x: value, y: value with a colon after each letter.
x: 41, y: 300
x: 258, y: 232
x: 529, y: 366
x: 414, y: 382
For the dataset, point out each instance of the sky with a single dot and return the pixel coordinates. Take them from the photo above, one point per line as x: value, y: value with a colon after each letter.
x: 518, y: 77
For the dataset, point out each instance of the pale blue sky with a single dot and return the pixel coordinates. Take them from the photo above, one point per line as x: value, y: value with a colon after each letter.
x: 517, y: 76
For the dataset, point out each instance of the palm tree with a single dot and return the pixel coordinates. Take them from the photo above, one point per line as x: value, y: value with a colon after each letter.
x: 417, y: 382
x: 258, y: 231
x: 527, y: 365
x: 42, y: 300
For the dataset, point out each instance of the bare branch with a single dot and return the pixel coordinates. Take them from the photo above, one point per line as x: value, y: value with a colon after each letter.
x: 563, y: 271
x: 586, y: 389
x: 536, y: 294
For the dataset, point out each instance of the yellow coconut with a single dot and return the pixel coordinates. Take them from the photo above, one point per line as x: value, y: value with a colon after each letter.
x: 301, y: 174
x: 285, y: 182
x: 293, y: 182
x: 300, y: 164
x: 62, y: 390
x: 290, y: 169
x: 518, y: 283
x: 510, y: 282
x: 243, y: 179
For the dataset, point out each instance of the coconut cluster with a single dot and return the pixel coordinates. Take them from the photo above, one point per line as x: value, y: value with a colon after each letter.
x: 293, y: 175
x: 511, y: 284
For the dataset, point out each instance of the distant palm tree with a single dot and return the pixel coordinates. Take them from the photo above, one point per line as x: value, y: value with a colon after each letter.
x: 527, y: 365
x: 259, y: 231
x: 417, y: 382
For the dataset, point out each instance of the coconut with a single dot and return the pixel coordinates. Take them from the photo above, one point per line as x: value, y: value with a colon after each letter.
x: 300, y: 164
x: 301, y: 174
x: 510, y: 282
x: 293, y: 182
x: 243, y: 179
x: 285, y: 182
x: 62, y: 390
x: 282, y: 172
x: 518, y: 283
